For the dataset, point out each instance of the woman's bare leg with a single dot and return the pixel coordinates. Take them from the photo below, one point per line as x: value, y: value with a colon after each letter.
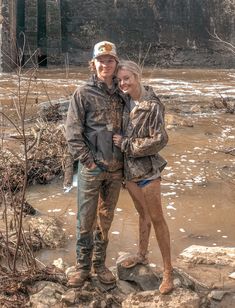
x: 152, y: 195
x: 144, y: 218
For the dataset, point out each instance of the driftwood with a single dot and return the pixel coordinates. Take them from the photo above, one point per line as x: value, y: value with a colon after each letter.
x: 47, y: 153
x: 14, y: 288
x: 230, y: 151
x: 46, y: 156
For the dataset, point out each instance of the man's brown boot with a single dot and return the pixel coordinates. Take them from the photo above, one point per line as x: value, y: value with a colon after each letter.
x: 78, y: 278
x: 104, y: 275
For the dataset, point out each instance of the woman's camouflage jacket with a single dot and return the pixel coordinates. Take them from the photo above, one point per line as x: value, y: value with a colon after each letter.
x: 144, y: 137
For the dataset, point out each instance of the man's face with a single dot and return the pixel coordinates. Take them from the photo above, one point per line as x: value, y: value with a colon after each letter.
x: 105, y: 66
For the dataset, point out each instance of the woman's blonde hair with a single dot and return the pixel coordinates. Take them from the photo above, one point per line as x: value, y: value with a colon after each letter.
x: 130, y: 66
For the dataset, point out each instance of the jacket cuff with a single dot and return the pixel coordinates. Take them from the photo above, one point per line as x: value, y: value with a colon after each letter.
x: 87, y: 162
x: 124, y: 145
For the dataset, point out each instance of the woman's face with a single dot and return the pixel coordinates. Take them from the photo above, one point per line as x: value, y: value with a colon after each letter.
x: 128, y: 82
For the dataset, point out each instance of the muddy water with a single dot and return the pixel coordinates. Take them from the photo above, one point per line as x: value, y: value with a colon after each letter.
x: 198, y: 184
x: 198, y: 199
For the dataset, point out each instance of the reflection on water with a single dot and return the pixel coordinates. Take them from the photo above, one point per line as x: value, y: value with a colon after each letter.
x: 197, y: 185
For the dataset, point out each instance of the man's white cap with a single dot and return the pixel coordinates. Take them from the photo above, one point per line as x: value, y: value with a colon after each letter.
x: 105, y: 48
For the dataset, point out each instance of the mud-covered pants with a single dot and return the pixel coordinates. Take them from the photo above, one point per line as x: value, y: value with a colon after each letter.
x: 98, y: 193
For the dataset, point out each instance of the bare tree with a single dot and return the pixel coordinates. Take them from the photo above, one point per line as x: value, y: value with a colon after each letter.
x: 227, y: 45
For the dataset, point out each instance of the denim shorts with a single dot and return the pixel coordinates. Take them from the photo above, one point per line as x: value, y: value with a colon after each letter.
x: 143, y: 183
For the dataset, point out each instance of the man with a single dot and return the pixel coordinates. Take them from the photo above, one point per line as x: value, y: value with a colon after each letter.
x: 94, y: 115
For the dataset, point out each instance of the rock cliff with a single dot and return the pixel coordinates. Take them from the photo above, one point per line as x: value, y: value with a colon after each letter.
x: 165, y: 33
x: 158, y: 32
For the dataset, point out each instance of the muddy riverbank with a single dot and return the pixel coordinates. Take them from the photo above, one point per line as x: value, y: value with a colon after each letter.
x: 198, y: 183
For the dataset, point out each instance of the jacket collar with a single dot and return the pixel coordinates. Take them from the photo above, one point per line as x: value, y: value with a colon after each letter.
x: 95, y: 81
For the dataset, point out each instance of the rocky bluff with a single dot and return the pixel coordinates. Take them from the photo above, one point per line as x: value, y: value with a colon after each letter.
x: 158, y: 32
x: 164, y: 33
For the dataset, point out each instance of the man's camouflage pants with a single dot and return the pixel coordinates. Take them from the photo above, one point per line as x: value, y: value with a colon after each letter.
x: 98, y: 193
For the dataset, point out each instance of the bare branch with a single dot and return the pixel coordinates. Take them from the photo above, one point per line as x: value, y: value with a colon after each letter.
x: 226, y: 44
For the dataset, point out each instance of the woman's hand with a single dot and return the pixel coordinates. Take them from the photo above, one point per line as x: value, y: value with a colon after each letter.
x: 91, y: 166
x: 117, y: 140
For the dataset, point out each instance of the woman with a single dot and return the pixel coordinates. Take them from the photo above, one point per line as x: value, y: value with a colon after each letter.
x: 144, y: 136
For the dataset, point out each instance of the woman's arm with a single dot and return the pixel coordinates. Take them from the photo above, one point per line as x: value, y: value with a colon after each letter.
x: 157, y: 136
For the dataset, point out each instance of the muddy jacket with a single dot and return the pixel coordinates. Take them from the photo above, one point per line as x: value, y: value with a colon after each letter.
x: 94, y: 115
x: 144, y: 137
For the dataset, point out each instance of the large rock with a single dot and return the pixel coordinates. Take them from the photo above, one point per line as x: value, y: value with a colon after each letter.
x: 141, y: 275
x: 162, y: 33
x: 209, y: 255
x: 187, y: 281
x: 53, y: 110
x: 179, y: 298
x: 49, y: 295
x: 49, y: 230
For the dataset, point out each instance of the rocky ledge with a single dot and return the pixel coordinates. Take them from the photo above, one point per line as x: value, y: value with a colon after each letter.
x: 203, y: 277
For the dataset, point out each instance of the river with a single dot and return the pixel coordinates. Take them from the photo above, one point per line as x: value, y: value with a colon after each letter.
x: 198, y: 184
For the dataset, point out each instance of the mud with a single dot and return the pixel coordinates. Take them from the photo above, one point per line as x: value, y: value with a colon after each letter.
x: 197, y: 185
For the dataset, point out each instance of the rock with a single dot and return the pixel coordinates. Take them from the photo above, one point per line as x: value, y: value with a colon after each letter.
x: 195, y: 109
x: 97, y: 304
x: 230, y: 107
x: 142, y: 275
x: 177, y: 282
x: 209, y: 255
x: 69, y: 297
x: 59, y: 263
x: 28, y: 209
x: 89, y: 295
x: 53, y: 110
x: 224, y: 104
x: 228, y: 172
x: 49, y: 229
x: 219, y: 104
x: 169, y: 127
x: 188, y: 281
x: 217, y: 295
x: 126, y: 287
x: 179, y: 298
x: 38, y: 286
x: 232, y: 275
x: 50, y: 295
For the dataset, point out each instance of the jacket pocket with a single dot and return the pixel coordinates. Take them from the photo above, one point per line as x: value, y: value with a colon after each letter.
x: 104, y: 146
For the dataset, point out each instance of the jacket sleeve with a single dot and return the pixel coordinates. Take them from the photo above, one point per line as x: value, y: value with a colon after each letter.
x: 74, y: 130
x: 155, y: 141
